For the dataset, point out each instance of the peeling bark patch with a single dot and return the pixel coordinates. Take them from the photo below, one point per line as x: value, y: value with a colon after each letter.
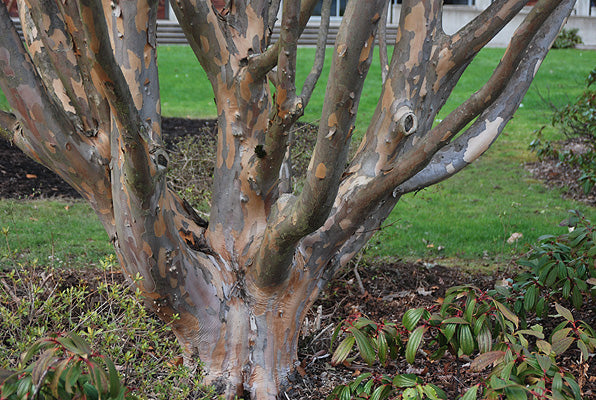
x: 321, y: 171
x: 194, y: 242
x: 479, y: 144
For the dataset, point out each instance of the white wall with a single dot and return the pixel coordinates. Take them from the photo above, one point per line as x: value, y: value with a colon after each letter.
x: 456, y: 16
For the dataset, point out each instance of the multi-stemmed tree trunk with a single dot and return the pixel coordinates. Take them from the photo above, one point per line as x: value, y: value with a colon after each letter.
x: 85, y: 103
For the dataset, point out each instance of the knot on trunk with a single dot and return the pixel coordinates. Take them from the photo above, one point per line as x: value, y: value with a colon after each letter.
x: 406, y: 120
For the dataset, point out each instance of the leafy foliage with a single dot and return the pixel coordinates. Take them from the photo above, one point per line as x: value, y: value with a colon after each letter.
x: 561, y: 269
x: 576, y: 120
x: 66, y: 368
x: 492, y: 326
x: 104, y: 311
x: 567, y: 39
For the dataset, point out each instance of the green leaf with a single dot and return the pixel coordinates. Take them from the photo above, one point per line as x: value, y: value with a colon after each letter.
x: 576, y: 298
x: 466, y: 340
x: 343, y: 350
x: 42, y: 365
x: 507, y: 313
x: 449, y: 330
x: 471, y: 393
x: 574, y: 387
x: 560, y: 346
x: 69, y: 345
x: 381, y: 392
x: 439, y: 393
x: 532, y: 332
x: 382, y: 347
x: 485, y: 340
x: 115, y: 385
x: 584, y: 349
x: 364, y: 345
x: 60, y: 367
x: 565, y: 313
x: 470, y: 308
x: 345, y: 393
x: 530, y: 297
x: 411, y: 318
x: 456, y: 320
x: 32, y: 350
x: 516, y: 393
x: 544, y: 346
x: 544, y: 361
x: 406, y: 380
x: 540, y: 306
x: 72, y: 376
x: 557, y: 384
x: 81, y: 344
x: 414, y: 343
x: 335, y: 334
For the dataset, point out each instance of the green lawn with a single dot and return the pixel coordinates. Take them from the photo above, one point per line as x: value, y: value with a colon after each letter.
x: 470, y: 216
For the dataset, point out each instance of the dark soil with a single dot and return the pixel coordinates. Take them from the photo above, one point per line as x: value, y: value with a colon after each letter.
x: 556, y: 174
x: 389, y: 289
x: 23, y: 178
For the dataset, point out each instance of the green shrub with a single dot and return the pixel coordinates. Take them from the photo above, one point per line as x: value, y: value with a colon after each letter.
x: 507, y: 328
x: 562, y: 268
x: 577, y: 121
x: 567, y: 39
x: 105, y: 311
x: 65, y: 368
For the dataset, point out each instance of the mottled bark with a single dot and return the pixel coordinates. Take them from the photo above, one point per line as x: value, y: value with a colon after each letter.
x: 84, y: 93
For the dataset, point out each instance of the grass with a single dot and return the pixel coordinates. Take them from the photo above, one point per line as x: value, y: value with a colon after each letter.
x: 469, y: 216
x: 51, y: 232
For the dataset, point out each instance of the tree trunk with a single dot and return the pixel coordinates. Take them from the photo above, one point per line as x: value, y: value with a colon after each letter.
x: 85, y: 103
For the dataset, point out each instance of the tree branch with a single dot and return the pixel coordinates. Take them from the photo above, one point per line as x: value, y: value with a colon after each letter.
x: 382, y: 37
x: 202, y: 29
x: 468, y: 41
x: 314, y: 74
x: 272, y: 16
x: 46, y: 133
x: 288, y: 107
x: 129, y: 135
x: 293, y: 218
x: 135, y: 27
x: 471, y: 144
x: 470, y: 108
x: 365, y: 197
x: 260, y: 64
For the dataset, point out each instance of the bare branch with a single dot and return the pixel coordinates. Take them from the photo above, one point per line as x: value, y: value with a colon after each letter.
x: 468, y: 41
x: 370, y: 196
x: 272, y: 16
x: 202, y: 29
x: 296, y: 217
x: 471, y: 144
x: 382, y: 38
x: 288, y: 107
x: 136, y: 51
x: 260, y: 64
x: 487, y: 95
x: 91, y: 95
x: 313, y: 77
x: 130, y: 133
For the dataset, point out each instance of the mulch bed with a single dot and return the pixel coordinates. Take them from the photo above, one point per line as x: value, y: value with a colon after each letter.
x: 389, y: 288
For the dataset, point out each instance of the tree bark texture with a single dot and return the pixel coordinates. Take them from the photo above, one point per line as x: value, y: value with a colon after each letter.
x: 84, y: 93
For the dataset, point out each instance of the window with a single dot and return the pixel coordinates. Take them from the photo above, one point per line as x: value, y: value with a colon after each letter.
x: 338, y: 7
x: 460, y: 2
